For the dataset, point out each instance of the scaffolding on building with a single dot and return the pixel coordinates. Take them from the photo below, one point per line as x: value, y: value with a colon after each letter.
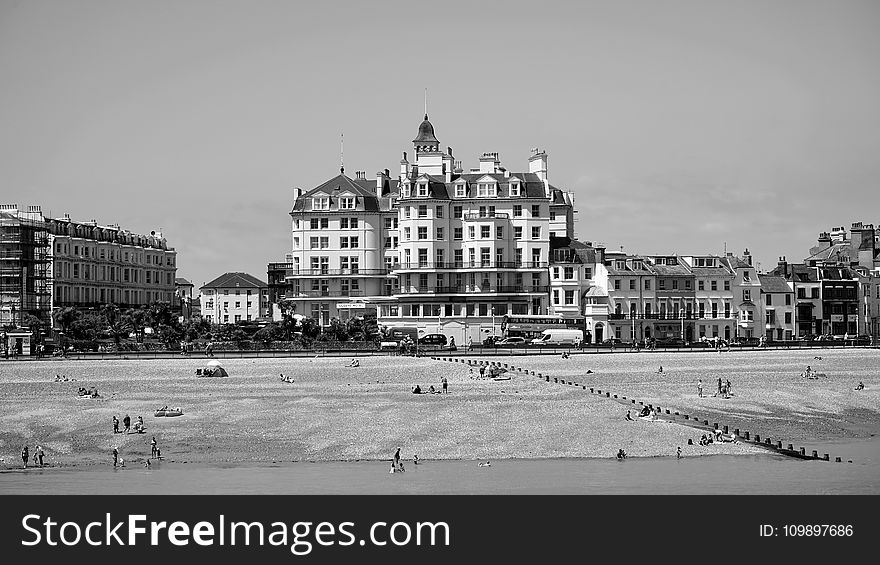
x: 25, y: 267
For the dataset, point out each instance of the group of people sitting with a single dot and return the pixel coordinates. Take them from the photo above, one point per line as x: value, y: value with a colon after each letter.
x: 62, y: 379
x: 860, y: 386
x: 715, y: 436
x: 621, y: 454
x: 417, y: 389
x: 91, y: 392
x: 287, y: 379
x: 354, y: 363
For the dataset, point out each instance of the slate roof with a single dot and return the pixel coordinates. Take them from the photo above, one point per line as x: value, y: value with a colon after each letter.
x: 235, y: 280
x: 774, y: 284
x: 363, y: 189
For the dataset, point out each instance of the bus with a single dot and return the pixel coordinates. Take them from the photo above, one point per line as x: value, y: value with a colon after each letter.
x: 530, y: 326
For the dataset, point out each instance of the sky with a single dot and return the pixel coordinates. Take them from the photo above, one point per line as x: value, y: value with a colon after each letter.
x: 680, y: 126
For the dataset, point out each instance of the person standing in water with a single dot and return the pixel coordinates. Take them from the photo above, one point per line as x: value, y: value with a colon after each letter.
x: 445, y: 384
x: 700, y: 387
x: 397, y: 458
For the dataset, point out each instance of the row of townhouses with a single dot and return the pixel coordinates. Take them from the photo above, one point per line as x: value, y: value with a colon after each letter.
x: 52, y: 263
x: 455, y: 252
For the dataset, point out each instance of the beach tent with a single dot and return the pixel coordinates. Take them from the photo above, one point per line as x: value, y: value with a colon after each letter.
x: 215, y: 369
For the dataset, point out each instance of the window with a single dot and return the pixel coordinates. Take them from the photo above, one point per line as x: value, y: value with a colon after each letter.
x: 457, y: 212
x: 536, y: 259
x: 517, y: 210
x: 788, y: 317
x: 343, y: 242
x: 440, y: 234
x: 687, y: 284
x: 423, y: 211
x: 769, y: 299
x: 674, y: 284
x: 747, y: 296
x: 727, y: 309
x: 439, y: 258
x: 486, y: 189
x: 552, y: 215
x: 388, y: 223
x: 536, y: 210
x: 632, y: 284
x: 647, y: 284
x: 569, y: 297
x: 458, y: 234
x: 746, y: 276
x: 555, y: 273
x: 438, y: 212
x: 423, y: 189
x: 616, y: 284
x: 555, y: 296
x: 343, y: 223
x: 471, y: 232
x: 661, y: 284
x: 588, y: 274
x: 726, y: 285
x: 319, y: 223
x: 238, y: 304
x: 423, y: 257
x: 714, y: 285
x: 406, y: 233
x: 485, y: 232
x: 387, y: 243
x: 536, y: 232
x: 460, y: 190
x: 518, y: 255
x: 485, y: 256
x: 325, y: 242
x: 355, y: 242
x: 517, y: 232
x: 406, y: 212
x: 458, y: 256
x: 346, y: 203
x: 423, y: 232
x: 701, y: 285
x: 321, y: 203
x: 499, y: 232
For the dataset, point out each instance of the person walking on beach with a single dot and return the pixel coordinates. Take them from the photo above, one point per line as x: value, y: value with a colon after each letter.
x: 153, y: 447
x: 38, y: 454
x: 678, y: 453
x: 115, y: 424
x: 396, y: 462
x: 24, y: 456
x: 700, y: 387
x: 126, y: 422
x: 728, y: 387
x: 115, y: 456
x: 445, y: 384
x: 719, y: 387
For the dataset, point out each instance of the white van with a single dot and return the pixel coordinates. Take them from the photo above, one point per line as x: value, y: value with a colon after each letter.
x: 559, y: 337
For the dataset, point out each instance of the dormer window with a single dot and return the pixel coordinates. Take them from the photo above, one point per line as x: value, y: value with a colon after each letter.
x: 461, y: 190
x: 423, y: 189
x: 621, y: 265
x: 407, y: 190
x: 321, y: 203
x: 346, y: 203
x: 514, y: 188
x: 486, y: 189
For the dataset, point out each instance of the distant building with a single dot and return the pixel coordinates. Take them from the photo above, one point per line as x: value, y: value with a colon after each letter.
x: 746, y: 295
x: 234, y: 297
x: 183, y: 297
x: 778, y: 308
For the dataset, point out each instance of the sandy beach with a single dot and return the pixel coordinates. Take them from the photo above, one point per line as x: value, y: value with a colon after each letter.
x: 335, y: 413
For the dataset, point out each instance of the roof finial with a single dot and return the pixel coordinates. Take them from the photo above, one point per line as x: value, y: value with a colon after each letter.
x: 426, y: 103
x: 342, y: 153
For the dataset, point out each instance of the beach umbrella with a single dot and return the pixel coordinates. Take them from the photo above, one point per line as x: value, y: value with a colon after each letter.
x: 213, y: 363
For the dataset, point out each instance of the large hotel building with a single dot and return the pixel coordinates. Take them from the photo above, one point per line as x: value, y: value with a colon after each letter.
x: 436, y: 247
x: 51, y: 263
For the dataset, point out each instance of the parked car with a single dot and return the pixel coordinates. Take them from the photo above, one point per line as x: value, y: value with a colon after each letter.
x: 558, y: 337
x: 511, y: 342
x: 433, y: 339
x: 746, y: 342
x: 669, y: 342
x: 612, y: 341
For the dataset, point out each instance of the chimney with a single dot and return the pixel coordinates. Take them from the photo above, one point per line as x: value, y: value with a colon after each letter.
x: 782, y: 265
x: 297, y: 192
x: 380, y: 181
x: 747, y: 257
x: 404, y: 168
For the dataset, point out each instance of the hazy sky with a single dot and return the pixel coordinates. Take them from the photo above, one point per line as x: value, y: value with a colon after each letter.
x: 679, y: 126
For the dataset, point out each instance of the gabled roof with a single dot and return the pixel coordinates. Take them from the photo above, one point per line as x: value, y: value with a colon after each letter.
x: 774, y: 284
x: 235, y: 280
x: 735, y: 262
x: 361, y: 188
x: 182, y: 281
x: 837, y: 252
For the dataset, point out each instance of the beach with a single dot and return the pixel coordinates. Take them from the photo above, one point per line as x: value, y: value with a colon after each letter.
x: 332, y: 412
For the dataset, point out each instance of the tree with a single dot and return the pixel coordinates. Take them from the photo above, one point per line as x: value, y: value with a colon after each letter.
x: 114, y: 324
x: 66, y: 316
x: 136, y: 320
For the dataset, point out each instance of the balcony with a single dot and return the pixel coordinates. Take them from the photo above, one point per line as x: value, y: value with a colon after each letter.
x: 466, y: 289
x: 470, y: 216
x: 452, y: 265
x: 324, y: 293
x: 292, y: 273
x: 668, y: 317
